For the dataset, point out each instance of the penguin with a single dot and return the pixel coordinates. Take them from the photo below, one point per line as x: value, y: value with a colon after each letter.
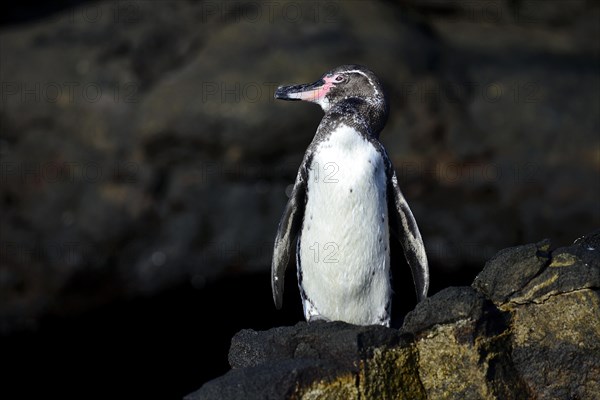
x: 345, y: 207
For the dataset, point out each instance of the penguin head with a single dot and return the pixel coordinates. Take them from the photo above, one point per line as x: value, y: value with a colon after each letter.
x: 340, y: 84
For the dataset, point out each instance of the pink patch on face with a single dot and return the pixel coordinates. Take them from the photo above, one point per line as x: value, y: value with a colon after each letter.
x: 316, y: 94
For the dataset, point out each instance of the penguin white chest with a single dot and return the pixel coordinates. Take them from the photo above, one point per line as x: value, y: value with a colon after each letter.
x: 344, y: 248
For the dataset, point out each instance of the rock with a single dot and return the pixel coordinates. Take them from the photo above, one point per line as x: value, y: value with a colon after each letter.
x: 460, y: 337
x: 555, y: 318
x: 556, y: 345
x: 465, y: 301
x: 320, y: 360
x: 531, y: 274
x: 529, y: 327
x: 339, y: 341
x: 518, y: 264
x: 277, y: 380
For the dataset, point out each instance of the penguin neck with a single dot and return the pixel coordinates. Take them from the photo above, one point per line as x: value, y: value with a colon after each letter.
x: 367, y: 117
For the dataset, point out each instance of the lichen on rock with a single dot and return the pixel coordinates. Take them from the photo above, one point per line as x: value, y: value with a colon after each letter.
x: 528, y: 327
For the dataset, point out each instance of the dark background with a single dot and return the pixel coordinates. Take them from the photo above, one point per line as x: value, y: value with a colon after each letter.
x: 143, y: 164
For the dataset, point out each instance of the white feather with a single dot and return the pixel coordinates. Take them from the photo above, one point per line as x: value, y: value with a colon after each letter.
x: 344, y: 250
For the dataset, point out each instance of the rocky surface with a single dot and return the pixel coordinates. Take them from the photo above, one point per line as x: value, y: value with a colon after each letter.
x: 141, y: 148
x: 528, y: 327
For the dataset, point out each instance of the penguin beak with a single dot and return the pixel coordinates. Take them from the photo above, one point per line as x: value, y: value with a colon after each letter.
x: 312, y: 92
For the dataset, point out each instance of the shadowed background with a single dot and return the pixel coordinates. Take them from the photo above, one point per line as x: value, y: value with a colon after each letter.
x: 144, y: 163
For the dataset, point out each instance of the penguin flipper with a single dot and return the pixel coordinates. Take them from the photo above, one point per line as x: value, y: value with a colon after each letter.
x: 404, y: 225
x: 289, y: 225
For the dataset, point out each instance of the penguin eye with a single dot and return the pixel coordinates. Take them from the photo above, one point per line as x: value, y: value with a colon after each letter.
x: 339, y: 79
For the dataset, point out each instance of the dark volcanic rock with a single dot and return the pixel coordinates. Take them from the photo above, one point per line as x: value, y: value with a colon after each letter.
x: 555, y: 320
x: 327, y: 360
x: 511, y: 269
x: 340, y: 341
x: 449, y: 305
x: 528, y: 328
x: 277, y: 380
x: 532, y: 273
